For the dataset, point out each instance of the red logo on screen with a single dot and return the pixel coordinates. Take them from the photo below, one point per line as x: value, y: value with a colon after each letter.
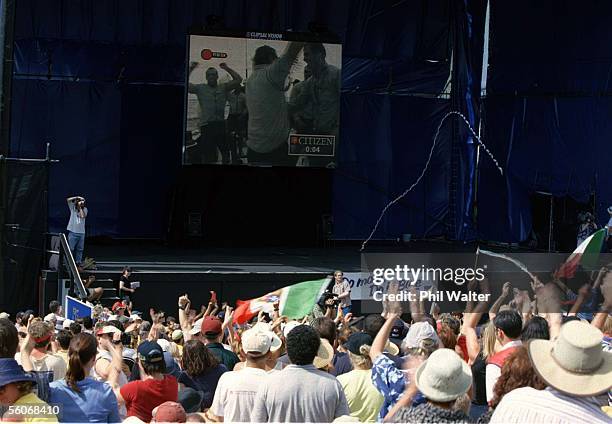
x: 208, y: 54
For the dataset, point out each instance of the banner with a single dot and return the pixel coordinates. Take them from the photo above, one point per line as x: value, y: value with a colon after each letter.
x: 363, y: 288
x: 76, y: 309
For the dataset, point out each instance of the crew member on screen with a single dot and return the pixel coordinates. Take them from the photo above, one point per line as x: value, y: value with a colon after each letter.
x: 76, y: 227
x: 268, y: 128
x: 323, y: 90
x: 300, y: 106
x: 212, y: 98
x: 236, y: 122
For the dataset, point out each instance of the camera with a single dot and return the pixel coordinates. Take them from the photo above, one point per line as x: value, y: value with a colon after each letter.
x: 328, y: 296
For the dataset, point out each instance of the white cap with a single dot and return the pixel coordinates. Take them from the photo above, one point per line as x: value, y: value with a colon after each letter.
x: 50, y: 317
x: 177, y: 335
x: 418, y: 332
x: 290, y: 326
x: 4, y: 315
x: 257, y: 341
x: 108, y: 329
x: 164, y: 344
x: 135, y: 317
x: 197, y: 327
x: 67, y: 323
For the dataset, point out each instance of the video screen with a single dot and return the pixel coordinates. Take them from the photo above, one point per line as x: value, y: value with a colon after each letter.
x: 262, y: 99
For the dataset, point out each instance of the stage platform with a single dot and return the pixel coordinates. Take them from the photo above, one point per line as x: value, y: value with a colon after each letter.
x: 234, y: 273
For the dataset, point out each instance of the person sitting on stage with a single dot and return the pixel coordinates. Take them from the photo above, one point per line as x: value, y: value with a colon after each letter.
x: 76, y: 227
x: 125, y: 287
x: 95, y: 293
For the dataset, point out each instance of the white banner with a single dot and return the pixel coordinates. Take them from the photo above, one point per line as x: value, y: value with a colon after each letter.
x: 362, y: 287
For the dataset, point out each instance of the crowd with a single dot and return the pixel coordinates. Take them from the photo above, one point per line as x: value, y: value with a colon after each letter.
x: 510, y: 362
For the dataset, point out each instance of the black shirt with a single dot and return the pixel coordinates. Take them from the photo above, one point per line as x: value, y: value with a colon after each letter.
x: 479, y: 380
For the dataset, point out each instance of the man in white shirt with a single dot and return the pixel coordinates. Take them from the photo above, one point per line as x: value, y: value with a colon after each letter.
x: 575, y: 369
x: 300, y: 392
x: 76, y: 227
x: 266, y: 87
x: 236, y: 390
x: 508, y: 326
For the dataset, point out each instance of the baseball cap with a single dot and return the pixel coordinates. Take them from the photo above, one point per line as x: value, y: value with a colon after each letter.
x: 164, y: 344
x: 66, y: 323
x: 135, y: 317
x: 169, y: 412
x: 356, y: 340
x: 150, y: 352
x: 108, y: 329
x: 4, y: 315
x: 211, y: 325
x: 177, y: 335
x: 290, y: 326
x: 398, y: 332
x: 118, y: 305
x: 260, y: 341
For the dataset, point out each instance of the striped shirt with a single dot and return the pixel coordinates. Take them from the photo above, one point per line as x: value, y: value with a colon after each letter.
x: 528, y: 405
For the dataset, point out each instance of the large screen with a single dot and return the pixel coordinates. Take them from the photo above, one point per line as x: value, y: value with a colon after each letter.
x: 262, y: 99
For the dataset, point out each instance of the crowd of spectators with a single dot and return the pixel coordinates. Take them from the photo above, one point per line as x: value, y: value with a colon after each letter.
x: 509, y: 362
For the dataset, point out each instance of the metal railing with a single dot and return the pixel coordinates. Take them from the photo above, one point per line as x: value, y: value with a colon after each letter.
x: 66, y: 261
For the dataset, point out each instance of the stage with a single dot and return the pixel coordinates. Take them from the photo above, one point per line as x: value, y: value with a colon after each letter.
x: 234, y: 273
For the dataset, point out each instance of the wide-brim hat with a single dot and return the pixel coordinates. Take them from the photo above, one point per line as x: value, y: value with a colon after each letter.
x: 392, y: 348
x: 575, y: 363
x: 444, y: 376
x: 325, y: 354
x: 12, y: 372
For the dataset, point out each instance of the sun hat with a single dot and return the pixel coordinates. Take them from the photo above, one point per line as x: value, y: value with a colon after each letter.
x: 418, y: 332
x: 392, y: 348
x: 12, y: 372
x: 325, y: 354
x: 170, y: 412
x: 575, y: 363
x: 256, y: 340
x: 444, y: 376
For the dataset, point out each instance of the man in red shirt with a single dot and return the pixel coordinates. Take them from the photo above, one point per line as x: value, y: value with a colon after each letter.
x: 154, y: 388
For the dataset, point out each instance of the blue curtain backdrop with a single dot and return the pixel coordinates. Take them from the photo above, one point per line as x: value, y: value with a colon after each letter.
x: 547, y: 111
x: 103, y: 82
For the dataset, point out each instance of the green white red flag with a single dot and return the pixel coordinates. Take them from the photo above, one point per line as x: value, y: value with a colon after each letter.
x: 295, y: 301
x: 586, y: 254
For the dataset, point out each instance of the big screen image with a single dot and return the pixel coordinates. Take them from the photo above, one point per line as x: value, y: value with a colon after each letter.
x: 262, y: 100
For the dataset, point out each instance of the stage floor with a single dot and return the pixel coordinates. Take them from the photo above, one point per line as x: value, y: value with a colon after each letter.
x: 161, y: 259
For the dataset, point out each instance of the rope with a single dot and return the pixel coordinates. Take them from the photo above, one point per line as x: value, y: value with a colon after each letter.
x: 418, y: 180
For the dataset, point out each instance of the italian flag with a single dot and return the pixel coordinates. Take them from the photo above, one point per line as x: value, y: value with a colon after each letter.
x: 586, y: 254
x: 295, y: 301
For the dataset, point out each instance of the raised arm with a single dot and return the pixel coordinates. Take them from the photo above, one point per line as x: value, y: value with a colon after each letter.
x: 236, y: 78
x: 380, y: 341
x: 500, y: 300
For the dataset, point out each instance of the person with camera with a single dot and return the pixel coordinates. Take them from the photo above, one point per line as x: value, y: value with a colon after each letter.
x: 586, y: 228
x: 342, y: 289
x: 76, y: 227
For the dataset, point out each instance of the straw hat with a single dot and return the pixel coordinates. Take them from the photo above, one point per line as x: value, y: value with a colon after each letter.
x: 444, y: 376
x: 575, y: 363
x: 325, y: 355
x: 392, y: 348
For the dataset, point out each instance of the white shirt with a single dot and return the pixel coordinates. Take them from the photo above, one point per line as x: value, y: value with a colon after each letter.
x: 235, y: 394
x: 76, y: 223
x: 493, y: 371
x: 528, y: 405
x: 267, y: 106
